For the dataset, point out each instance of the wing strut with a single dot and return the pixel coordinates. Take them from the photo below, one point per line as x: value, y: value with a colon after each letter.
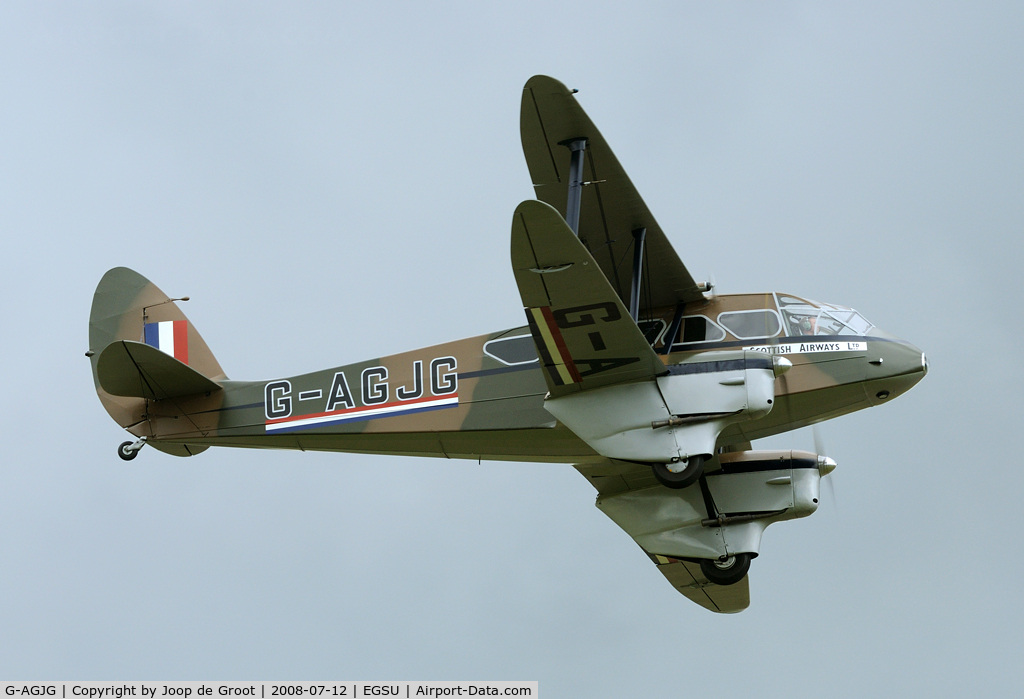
x: 578, y: 146
x: 638, y: 258
x: 673, y: 330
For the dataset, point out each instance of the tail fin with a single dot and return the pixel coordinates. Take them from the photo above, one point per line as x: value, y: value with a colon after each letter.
x: 134, y: 331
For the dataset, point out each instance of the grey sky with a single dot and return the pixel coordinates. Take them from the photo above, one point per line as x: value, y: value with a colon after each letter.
x: 335, y: 181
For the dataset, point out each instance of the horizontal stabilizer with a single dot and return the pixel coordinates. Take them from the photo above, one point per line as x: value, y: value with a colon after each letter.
x: 135, y: 369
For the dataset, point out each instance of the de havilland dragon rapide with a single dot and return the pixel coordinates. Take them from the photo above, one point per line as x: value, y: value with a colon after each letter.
x: 647, y: 382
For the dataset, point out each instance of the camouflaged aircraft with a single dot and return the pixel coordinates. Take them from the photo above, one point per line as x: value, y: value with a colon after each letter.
x: 646, y: 381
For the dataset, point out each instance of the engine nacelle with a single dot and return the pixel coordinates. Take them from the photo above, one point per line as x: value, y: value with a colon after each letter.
x: 719, y: 383
x: 677, y: 415
x: 748, y: 491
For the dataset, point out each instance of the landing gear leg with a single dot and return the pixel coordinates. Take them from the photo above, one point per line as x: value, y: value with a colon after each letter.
x: 727, y: 572
x: 686, y: 477
x: 129, y: 450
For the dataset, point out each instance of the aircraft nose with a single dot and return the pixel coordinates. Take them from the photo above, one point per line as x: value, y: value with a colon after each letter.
x: 894, y: 367
x: 909, y: 360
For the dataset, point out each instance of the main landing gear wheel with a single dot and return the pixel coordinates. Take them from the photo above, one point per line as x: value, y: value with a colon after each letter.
x: 688, y: 476
x: 727, y: 572
x: 123, y: 452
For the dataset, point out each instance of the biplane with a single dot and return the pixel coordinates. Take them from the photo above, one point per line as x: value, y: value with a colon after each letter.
x: 649, y: 383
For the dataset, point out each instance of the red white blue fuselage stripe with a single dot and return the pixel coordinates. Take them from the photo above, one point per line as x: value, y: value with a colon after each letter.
x: 369, y: 412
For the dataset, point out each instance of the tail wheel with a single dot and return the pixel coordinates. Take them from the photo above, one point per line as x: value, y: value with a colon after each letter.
x: 727, y: 572
x: 688, y: 476
x: 124, y: 453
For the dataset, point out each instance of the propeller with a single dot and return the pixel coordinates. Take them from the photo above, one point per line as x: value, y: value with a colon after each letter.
x: 712, y: 286
x: 825, y: 465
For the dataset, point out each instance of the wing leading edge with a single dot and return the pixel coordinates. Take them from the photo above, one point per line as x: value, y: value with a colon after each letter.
x: 611, y: 207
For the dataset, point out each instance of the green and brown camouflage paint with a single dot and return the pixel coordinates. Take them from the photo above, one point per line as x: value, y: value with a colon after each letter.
x: 500, y: 412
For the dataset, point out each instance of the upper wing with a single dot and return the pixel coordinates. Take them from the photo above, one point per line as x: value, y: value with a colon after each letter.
x: 584, y: 335
x: 611, y: 207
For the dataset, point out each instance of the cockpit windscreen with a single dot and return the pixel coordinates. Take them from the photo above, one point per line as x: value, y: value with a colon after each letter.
x: 804, y: 317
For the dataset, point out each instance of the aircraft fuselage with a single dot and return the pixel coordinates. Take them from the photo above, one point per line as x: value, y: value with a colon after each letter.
x: 483, y: 397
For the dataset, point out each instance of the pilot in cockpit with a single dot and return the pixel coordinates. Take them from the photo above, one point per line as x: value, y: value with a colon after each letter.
x: 806, y: 325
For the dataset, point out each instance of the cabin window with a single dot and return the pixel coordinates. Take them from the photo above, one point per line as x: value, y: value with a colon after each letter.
x: 699, y: 329
x: 748, y: 325
x: 512, y: 350
x: 652, y: 330
x: 791, y: 301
